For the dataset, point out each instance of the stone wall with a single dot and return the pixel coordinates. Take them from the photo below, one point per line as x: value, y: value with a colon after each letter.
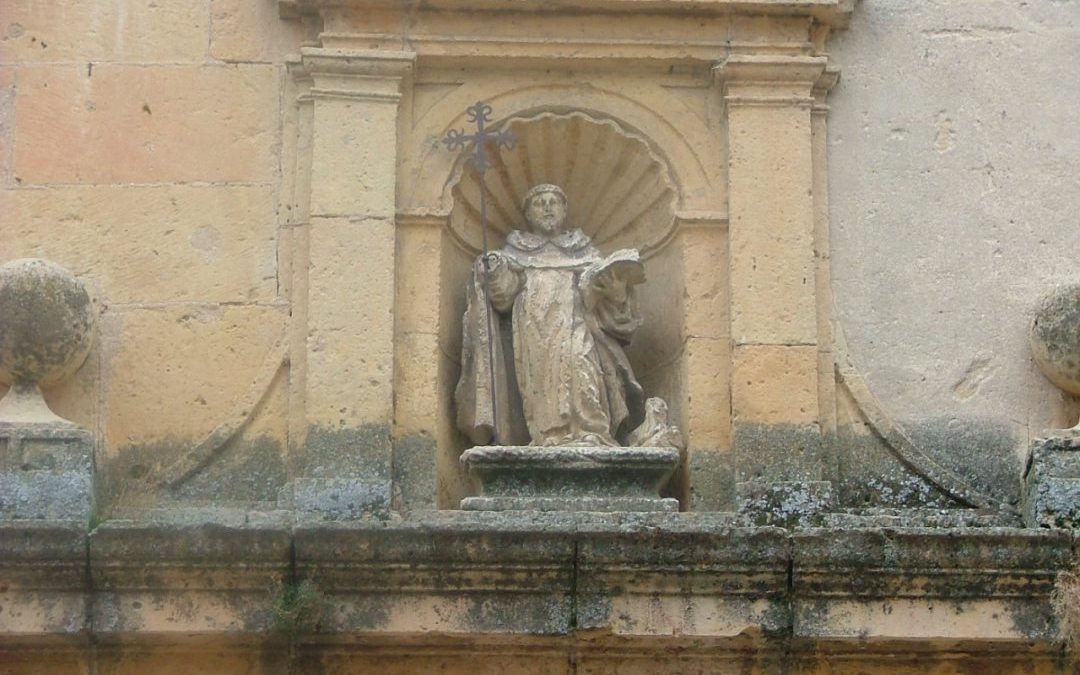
x: 954, y: 160
x: 269, y: 241
x: 140, y: 147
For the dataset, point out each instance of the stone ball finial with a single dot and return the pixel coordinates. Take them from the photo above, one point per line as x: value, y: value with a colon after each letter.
x: 1055, y: 337
x: 46, y: 325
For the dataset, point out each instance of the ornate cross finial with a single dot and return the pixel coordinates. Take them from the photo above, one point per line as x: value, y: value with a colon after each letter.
x: 480, y: 113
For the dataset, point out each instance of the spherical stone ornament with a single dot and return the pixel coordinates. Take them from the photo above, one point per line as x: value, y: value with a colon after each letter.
x: 46, y: 322
x: 1055, y: 337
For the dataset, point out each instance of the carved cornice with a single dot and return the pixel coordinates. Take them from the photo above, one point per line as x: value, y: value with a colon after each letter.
x: 830, y: 12
x: 598, y: 34
x: 627, y: 575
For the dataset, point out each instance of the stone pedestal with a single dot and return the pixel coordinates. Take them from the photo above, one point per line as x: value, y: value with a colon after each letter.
x: 46, y: 472
x: 517, y: 478
x: 1052, y: 482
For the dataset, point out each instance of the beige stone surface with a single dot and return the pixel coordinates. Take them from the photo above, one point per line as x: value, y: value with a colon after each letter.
x: 968, y: 215
x: 417, y: 278
x: 354, y: 158
x: 25, y: 612
x: 135, y: 124
x: 774, y: 384
x: 7, y: 115
x: 707, y: 365
x: 251, y: 30
x: 919, y: 619
x: 173, y: 373
x: 641, y: 614
x: 150, y: 244
x: 417, y: 395
x: 82, y: 31
x: 350, y: 349
x: 704, y: 251
x: 771, y: 231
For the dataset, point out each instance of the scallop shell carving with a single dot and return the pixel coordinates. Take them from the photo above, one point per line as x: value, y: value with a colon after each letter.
x: 619, y: 192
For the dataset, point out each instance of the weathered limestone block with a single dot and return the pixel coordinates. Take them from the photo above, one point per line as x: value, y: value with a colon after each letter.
x: 251, y: 31
x: 151, y: 244
x: 43, y: 582
x: 774, y: 385
x: 134, y: 124
x: 570, y: 478
x: 104, y: 30
x: 482, y: 574
x: 173, y: 577
x: 706, y: 578
x: 921, y: 584
x: 201, y: 351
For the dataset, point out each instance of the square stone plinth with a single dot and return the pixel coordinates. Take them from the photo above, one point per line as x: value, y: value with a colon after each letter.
x: 1052, y: 481
x: 46, y: 472
x: 516, y: 478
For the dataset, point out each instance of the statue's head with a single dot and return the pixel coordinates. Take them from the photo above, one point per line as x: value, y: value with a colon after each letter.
x: 544, y: 207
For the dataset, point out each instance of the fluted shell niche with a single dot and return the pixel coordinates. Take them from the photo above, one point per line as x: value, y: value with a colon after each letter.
x: 619, y: 191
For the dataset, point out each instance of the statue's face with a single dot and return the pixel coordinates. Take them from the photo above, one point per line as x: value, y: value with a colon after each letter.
x: 546, y: 213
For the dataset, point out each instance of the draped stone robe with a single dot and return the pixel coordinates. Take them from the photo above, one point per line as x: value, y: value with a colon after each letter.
x: 560, y: 373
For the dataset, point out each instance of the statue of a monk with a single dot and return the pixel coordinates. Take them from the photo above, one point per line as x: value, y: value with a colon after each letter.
x: 546, y: 324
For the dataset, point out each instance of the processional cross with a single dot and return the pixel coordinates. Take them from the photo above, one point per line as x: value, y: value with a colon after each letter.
x: 480, y: 114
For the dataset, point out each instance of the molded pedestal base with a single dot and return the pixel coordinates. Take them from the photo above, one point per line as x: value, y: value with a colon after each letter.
x: 570, y: 478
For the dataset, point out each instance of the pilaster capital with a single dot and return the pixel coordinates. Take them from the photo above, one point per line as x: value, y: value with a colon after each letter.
x: 366, y: 74
x: 770, y: 69
x: 769, y: 80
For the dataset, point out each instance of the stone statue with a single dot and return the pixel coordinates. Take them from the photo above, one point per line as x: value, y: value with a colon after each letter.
x: 546, y: 324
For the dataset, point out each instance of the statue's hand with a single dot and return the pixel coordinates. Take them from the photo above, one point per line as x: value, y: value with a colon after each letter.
x: 609, y: 285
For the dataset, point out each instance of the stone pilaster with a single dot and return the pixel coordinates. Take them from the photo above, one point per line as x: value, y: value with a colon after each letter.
x: 775, y: 327
x: 349, y: 251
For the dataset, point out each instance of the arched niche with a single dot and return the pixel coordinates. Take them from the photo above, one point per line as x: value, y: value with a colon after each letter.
x: 620, y: 193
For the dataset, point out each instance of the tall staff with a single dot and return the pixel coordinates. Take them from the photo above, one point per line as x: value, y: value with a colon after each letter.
x: 480, y: 114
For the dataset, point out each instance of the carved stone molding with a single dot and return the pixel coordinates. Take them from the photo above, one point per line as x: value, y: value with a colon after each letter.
x: 684, y: 580
x: 357, y: 74
x: 834, y: 13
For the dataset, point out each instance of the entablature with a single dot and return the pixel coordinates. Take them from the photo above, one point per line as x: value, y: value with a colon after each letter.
x: 618, y: 31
